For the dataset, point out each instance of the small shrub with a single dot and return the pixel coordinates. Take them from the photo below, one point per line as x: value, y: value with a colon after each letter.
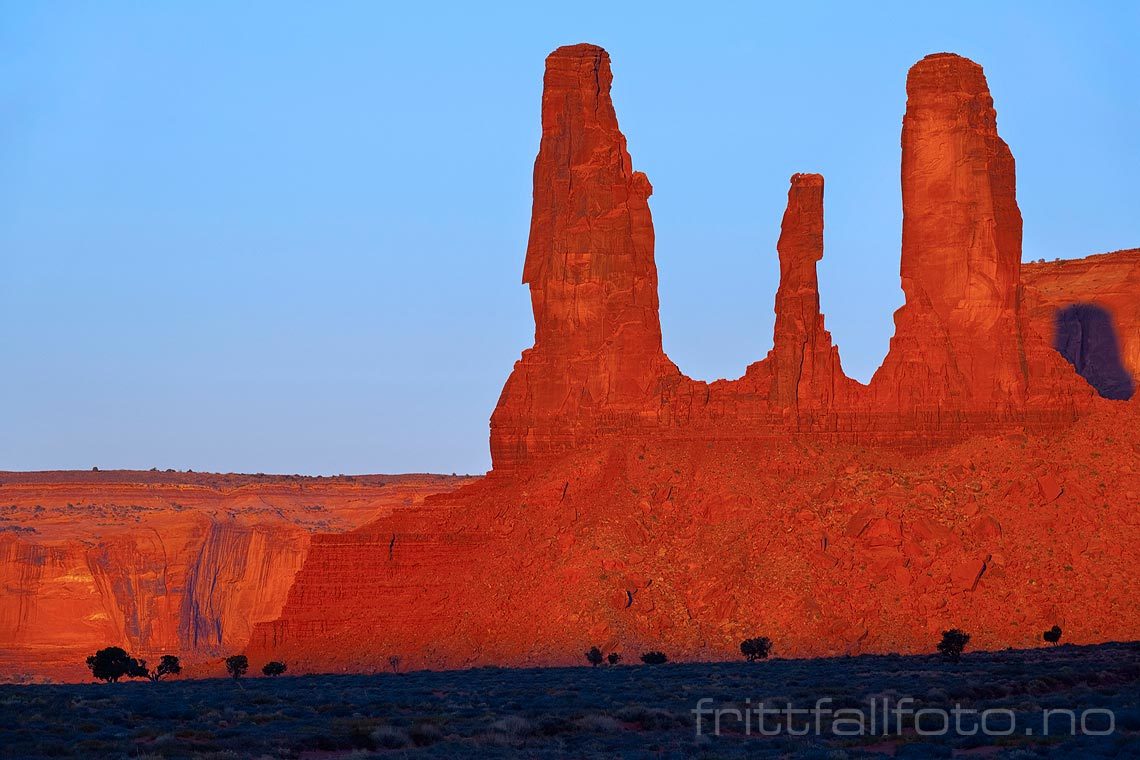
x: 594, y: 657
x: 654, y: 658
x: 953, y: 644
x: 167, y: 666
x: 613, y: 658
x: 1053, y: 635
x: 756, y: 649
x: 237, y: 665
x: 274, y: 668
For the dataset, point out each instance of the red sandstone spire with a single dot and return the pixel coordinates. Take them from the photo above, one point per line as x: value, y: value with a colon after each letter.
x: 590, y: 268
x: 958, y: 341
x: 806, y: 372
x: 961, y: 225
x: 589, y: 262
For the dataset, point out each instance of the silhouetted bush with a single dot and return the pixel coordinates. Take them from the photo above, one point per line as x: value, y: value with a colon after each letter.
x: 112, y: 663
x: 1053, y: 635
x: 953, y: 643
x: 654, y: 658
x: 237, y: 665
x: 613, y: 658
x: 594, y: 657
x: 167, y: 666
x: 756, y: 649
x: 273, y: 668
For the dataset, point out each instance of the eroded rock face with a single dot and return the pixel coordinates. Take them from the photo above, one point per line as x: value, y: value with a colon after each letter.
x: 162, y: 563
x: 963, y: 360
x: 805, y: 367
x: 1108, y: 281
x: 957, y: 338
x: 691, y: 546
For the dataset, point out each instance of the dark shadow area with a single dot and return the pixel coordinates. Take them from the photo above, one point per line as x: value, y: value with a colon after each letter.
x: 1084, y: 335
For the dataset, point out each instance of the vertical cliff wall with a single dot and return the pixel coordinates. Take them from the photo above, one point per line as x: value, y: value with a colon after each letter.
x: 1107, y: 281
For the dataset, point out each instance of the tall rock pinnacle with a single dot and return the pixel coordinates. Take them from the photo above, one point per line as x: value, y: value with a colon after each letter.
x: 806, y: 372
x: 959, y: 342
x: 961, y: 250
x: 589, y: 262
x: 590, y: 268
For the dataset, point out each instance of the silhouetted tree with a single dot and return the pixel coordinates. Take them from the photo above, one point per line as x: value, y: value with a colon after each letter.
x: 1053, y: 635
x: 237, y: 665
x: 273, y: 668
x: 112, y: 663
x: 953, y: 643
x: 756, y: 649
x: 167, y: 666
x: 138, y: 669
x: 654, y: 658
x: 594, y: 657
x: 394, y: 663
x: 613, y: 658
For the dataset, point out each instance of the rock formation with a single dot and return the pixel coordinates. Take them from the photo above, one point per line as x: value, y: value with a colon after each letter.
x: 960, y: 345
x: 691, y: 546
x: 957, y: 339
x: 962, y: 359
x: 803, y: 364
x: 597, y: 359
x: 633, y: 508
x: 1109, y: 281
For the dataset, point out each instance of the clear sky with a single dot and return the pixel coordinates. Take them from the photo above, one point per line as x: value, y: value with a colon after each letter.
x: 288, y: 237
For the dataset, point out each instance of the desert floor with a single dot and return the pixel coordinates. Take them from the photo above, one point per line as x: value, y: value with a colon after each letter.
x: 632, y: 710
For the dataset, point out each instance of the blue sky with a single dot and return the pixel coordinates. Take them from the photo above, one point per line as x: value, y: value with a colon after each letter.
x: 288, y: 237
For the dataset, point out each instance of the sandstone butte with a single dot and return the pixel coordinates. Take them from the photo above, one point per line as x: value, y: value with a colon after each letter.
x: 977, y: 481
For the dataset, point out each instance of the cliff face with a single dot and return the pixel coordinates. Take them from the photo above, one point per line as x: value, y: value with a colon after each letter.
x: 633, y: 508
x: 1106, y: 288
x: 162, y: 563
x: 691, y: 546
